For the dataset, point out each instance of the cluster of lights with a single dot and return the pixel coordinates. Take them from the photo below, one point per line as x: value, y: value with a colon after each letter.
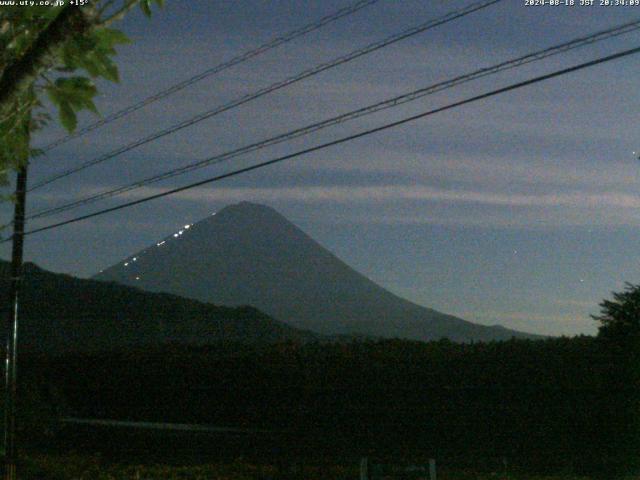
x: 179, y: 232
x: 134, y: 259
x: 159, y: 244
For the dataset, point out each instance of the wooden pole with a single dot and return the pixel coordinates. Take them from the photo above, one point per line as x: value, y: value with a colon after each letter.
x: 432, y: 469
x: 364, y: 468
x: 12, y: 325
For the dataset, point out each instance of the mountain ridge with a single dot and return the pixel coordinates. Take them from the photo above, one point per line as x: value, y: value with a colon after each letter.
x: 60, y: 313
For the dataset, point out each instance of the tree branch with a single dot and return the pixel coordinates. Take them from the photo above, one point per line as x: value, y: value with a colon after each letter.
x: 104, y: 7
x: 24, y: 71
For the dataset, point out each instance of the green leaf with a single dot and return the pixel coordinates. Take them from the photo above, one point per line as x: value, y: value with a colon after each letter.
x: 73, y: 89
x: 68, y: 117
x: 70, y: 95
x: 54, y: 96
x: 91, y: 64
x: 108, y: 68
x: 145, y: 6
x: 110, y: 37
x: 111, y: 71
x: 76, y: 85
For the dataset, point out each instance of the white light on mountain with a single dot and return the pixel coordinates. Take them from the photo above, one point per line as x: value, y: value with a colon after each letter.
x: 137, y: 278
x: 180, y: 232
x: 135, y: 259
x: 175, y: 234
x: 187, y: 227
x: 126, y: 264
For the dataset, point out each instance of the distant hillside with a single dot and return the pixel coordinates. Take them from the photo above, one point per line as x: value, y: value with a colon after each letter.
x: 249, y: 254
x: 62, y: 313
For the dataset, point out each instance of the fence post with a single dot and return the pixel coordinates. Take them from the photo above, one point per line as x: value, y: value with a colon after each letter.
x: 432, y: 469
x: 364, y: 468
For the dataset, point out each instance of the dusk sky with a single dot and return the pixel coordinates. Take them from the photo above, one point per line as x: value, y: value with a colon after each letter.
x: 521, y: 210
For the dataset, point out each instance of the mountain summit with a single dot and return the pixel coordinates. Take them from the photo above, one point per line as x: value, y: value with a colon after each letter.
x: 249, y: 254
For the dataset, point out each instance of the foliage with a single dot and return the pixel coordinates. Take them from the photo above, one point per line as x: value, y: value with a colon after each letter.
x: 620, y: 318
x: 620, y: 333
x: 55, y: 52
x: 67, y: 467
x: 548, y: 406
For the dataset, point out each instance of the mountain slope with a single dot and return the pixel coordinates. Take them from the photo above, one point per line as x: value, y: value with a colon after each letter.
x: 249, y: 254
x: 61, y: 313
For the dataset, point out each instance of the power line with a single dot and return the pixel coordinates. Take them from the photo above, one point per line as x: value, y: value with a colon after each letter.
x: 273, y: 87
x: 243, y: 57
x: 389, y: 103
x: 348, y: 138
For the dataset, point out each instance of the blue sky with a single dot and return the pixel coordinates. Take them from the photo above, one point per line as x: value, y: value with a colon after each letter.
x: 520, y: 210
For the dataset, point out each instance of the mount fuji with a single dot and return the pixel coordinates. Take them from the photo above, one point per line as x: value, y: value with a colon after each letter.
x: 249, y: 254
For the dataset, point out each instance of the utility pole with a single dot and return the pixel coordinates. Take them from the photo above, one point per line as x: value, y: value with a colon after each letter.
x: 12, y: 325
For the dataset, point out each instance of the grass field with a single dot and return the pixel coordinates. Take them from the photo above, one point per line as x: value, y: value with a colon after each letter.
x: 76, y: 467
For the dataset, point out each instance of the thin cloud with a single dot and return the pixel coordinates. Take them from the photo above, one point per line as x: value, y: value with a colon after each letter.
x: 391, y: 193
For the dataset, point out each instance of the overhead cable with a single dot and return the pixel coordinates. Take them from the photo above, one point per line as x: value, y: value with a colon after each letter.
x: 345, y: 139
x: 271, y: 88
x: 376, y: 107
x: 243, y: 57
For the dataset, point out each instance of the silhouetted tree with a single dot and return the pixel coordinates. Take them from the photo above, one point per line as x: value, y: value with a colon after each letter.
x: 619, y: 333
x: 620, y: 318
